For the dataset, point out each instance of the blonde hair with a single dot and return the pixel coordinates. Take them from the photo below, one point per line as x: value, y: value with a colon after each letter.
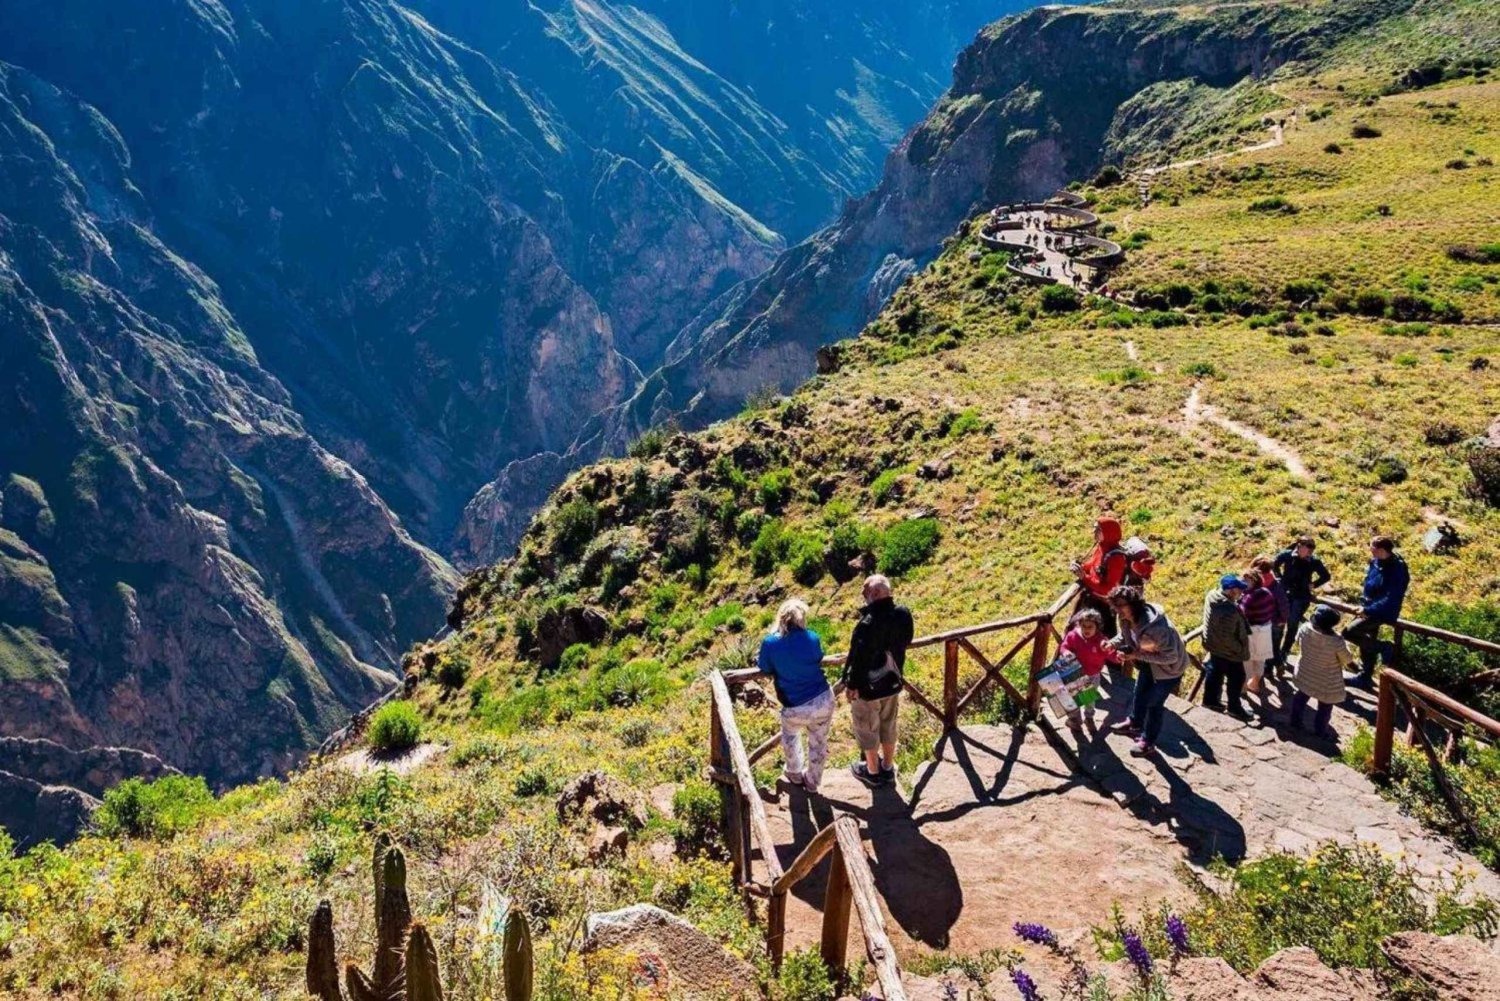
x: 791, y: 615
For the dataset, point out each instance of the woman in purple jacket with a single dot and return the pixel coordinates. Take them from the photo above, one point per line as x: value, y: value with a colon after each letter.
x: 1259, y: 606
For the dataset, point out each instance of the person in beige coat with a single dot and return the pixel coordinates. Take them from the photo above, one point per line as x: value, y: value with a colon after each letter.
x: 1320, y: 671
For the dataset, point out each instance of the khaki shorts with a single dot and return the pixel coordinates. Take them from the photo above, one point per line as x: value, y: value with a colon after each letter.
x: 875, y: 721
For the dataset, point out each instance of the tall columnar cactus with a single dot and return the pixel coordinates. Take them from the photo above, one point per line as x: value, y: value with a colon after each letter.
x: 423, y: 982
x: 516, y: 958
x: 406, y: 963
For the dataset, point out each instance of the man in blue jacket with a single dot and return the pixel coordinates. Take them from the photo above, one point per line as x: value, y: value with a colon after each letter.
x: 1386, y: 582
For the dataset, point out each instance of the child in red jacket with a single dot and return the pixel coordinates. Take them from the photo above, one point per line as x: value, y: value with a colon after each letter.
x: 1085, y: 641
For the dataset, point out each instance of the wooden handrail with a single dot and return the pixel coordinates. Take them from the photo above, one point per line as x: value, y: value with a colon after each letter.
x: 821, y: 844
x: 1447, y: 703
x: 867, y: 905
x: 1420, y: 629
x: 745, y: 777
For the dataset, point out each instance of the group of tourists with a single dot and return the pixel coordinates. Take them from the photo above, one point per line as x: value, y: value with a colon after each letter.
x: 1251, y: 622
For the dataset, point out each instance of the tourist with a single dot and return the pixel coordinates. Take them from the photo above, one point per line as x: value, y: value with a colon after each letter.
x: 1102, y: 571
x: 1259, y: 606
x: 1085, y: 640
x: 1147, y: 637
x: 1264, y: 566
x: 1322, y: 657
x: 793, y: 656
x: 1301, y: 573
x: 872, y: 678
x: 1226, y: 638
x: 1386, y: 582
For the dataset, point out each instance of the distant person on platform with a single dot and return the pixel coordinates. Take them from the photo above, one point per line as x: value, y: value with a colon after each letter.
x: 1226, y: 638
x: 1301, y: 574
x: 1323, y: 656
x: 1266, y: 567
x: 1148, y: 638
x: 1386, y: 582
x: 873, y: 679
x: 1259, y: 606
x: 793, y: 656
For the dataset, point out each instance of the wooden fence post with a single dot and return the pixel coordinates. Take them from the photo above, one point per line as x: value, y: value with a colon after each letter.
x: 1385, y: 724
x: 1398, y: 638
x: 776, y: 928
x: 721, y: 769
x: 837, y: 898
x: 950, y: 685
x: 1038, y: 664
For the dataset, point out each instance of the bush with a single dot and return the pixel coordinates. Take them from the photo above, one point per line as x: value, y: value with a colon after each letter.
x: 1362, y: 130
x: 695, y: 808
x: 395, y: 727
x: 769, y: 548
x: 453, y: 671
x: 1341, y: 901
x: 140, y: 809
x: 1333, y: 148
x: 573, y: 526
x: 1468, y: 253
x: 774, y: 489
x: 1389, y: 469
x: 1443, y: 433
x: 1201, y: 369
x: 1370, y: 302
x: 804, y: 978
x: 1451, y: 668
x: 1274, y: 203
x: 967, y: 422
x: 804, y: 557
x: 1128, y: 375
x: 1484, y: 465
x: 636, y: 682
x: 1059, y: 299
x: 532, y: 782
x: 649, y: 444
x: 1109, y: 175
x: 887, y: 486
x: 908, y: 544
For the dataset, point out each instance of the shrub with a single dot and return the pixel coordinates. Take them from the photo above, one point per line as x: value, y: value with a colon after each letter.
x: 967, y: 422
x: 804, y: 978
x: 1341, y: 901
x: 573, y: 526
x: 1370, y: 302
x: 804, y: 557
x: 774, y: 489
x: 1201, y: 369
x: 140, y: 809
x: 1443, y: 433
x: 1363, y: 130
x: 649, y: 444
x: 1123, y: 376
x: 849, y: 539
x: 636, y: 682
x: 695, y: 808
x: 1449, y: 667
x: 769, y: 547
x: 1109, y: 175
x: 1468, y: 253
x: 1059, y: 299
x: 453, y: 671
x: 532, y: 782
x: 395, y: 727
x: 1334, y: 148
x: 887, y: 486
x: 1389, y: 469
x: 908, y: 544
x: 1273, y: 203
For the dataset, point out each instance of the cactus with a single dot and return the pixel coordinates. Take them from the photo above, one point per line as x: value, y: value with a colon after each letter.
x: 406, y: 964
x: 392, y: 918
x: 322, y: 956
x: 517, y: 958
x: 423, y: 981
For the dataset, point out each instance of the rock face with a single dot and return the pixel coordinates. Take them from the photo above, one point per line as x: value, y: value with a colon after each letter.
x: 601, y: 799
x: 283, y: 286
x: 1456, y: 967
x: 677, y: 959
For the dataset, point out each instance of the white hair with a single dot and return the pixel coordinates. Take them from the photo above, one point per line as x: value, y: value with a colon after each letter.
x: 877, y: 586
x: 791, y: 615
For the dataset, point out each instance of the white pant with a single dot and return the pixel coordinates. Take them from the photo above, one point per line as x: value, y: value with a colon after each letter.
x: 813, y: 718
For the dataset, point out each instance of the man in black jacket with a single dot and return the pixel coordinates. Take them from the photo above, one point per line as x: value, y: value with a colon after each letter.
x: 1301, y: 573
x: 872, y: 679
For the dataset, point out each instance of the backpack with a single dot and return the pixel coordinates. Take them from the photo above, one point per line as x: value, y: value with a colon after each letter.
x: 1139, y: 563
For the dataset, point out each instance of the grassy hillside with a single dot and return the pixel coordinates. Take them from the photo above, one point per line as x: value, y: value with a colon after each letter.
x: 1038, y: 418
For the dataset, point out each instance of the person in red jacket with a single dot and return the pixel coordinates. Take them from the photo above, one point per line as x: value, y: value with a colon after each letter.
x: 1102, y: 571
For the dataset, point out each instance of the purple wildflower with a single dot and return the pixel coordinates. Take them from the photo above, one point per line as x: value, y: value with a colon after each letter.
x: 1177, y: 934
x: 1040, y: 934
x: 1025, y: 985
x: 1138, y: 954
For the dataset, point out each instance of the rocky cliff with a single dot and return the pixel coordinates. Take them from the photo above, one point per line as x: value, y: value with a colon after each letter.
x: 282, y: 285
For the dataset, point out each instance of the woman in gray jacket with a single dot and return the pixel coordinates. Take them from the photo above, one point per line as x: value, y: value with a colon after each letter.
x: 1147, y: 637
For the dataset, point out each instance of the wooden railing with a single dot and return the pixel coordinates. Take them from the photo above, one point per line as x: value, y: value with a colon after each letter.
x: 850, y: 881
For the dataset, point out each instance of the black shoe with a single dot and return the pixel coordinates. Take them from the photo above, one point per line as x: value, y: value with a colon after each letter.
x: 1364, y: 681
x: 1240, y: 713
x: 1217, y: 707
x: 887, y: 776
x: 859, y: 771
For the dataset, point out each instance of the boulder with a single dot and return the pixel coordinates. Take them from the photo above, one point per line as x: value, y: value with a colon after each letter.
x: 1441, y: 539
x: 1299, y: 975
x: 750, y: 695
x: 603, y: 799
x: 560, y: 628
x: 674, y: 957
x: 1456, y: 967
x: 937, y: 469
x: 608, y: 844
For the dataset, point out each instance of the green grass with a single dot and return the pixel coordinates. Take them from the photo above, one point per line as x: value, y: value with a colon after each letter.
x: 395, y: 727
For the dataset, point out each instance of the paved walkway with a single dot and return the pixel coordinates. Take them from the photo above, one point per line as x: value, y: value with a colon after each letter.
x: 1015, y: 825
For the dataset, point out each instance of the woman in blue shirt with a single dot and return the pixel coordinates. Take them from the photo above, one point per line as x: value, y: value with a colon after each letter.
x: 793, y: 656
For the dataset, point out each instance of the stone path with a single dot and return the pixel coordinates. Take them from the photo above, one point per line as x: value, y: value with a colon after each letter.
x: 1028, y: 825
x: 1195, y: 411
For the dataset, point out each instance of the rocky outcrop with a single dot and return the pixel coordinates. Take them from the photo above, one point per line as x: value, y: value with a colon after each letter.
x: 599, y: 798
x: 675, y: 958
x: 1454, y: 967
x: 36, y: 813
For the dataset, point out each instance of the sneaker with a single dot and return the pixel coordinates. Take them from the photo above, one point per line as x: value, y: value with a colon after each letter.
x: 794, y: 778
x: 1364, y: 681
x: 1217, y: 707
x: 1128, y: 728
x: 1141, y: 749
x: 1240, y: 713
x: 859, y: 771
x: 887, y: 775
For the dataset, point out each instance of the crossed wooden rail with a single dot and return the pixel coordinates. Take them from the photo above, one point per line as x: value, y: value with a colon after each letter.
x: 851, y: 882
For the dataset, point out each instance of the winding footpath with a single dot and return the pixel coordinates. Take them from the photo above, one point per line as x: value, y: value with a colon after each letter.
x: 1196, y: 412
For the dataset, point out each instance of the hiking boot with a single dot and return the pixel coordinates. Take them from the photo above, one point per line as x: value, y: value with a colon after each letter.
x: 859, y: 771
x: 887, y: 776
x: 1142, y: 749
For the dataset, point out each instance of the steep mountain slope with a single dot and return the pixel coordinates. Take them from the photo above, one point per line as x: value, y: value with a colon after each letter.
x: 589, y: 649
x: 1041, y: 98
x: 285, y: 283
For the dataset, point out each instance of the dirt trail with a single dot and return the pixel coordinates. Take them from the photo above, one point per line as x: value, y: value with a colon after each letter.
x: 1197, y: 412
x: 1131, y: 352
